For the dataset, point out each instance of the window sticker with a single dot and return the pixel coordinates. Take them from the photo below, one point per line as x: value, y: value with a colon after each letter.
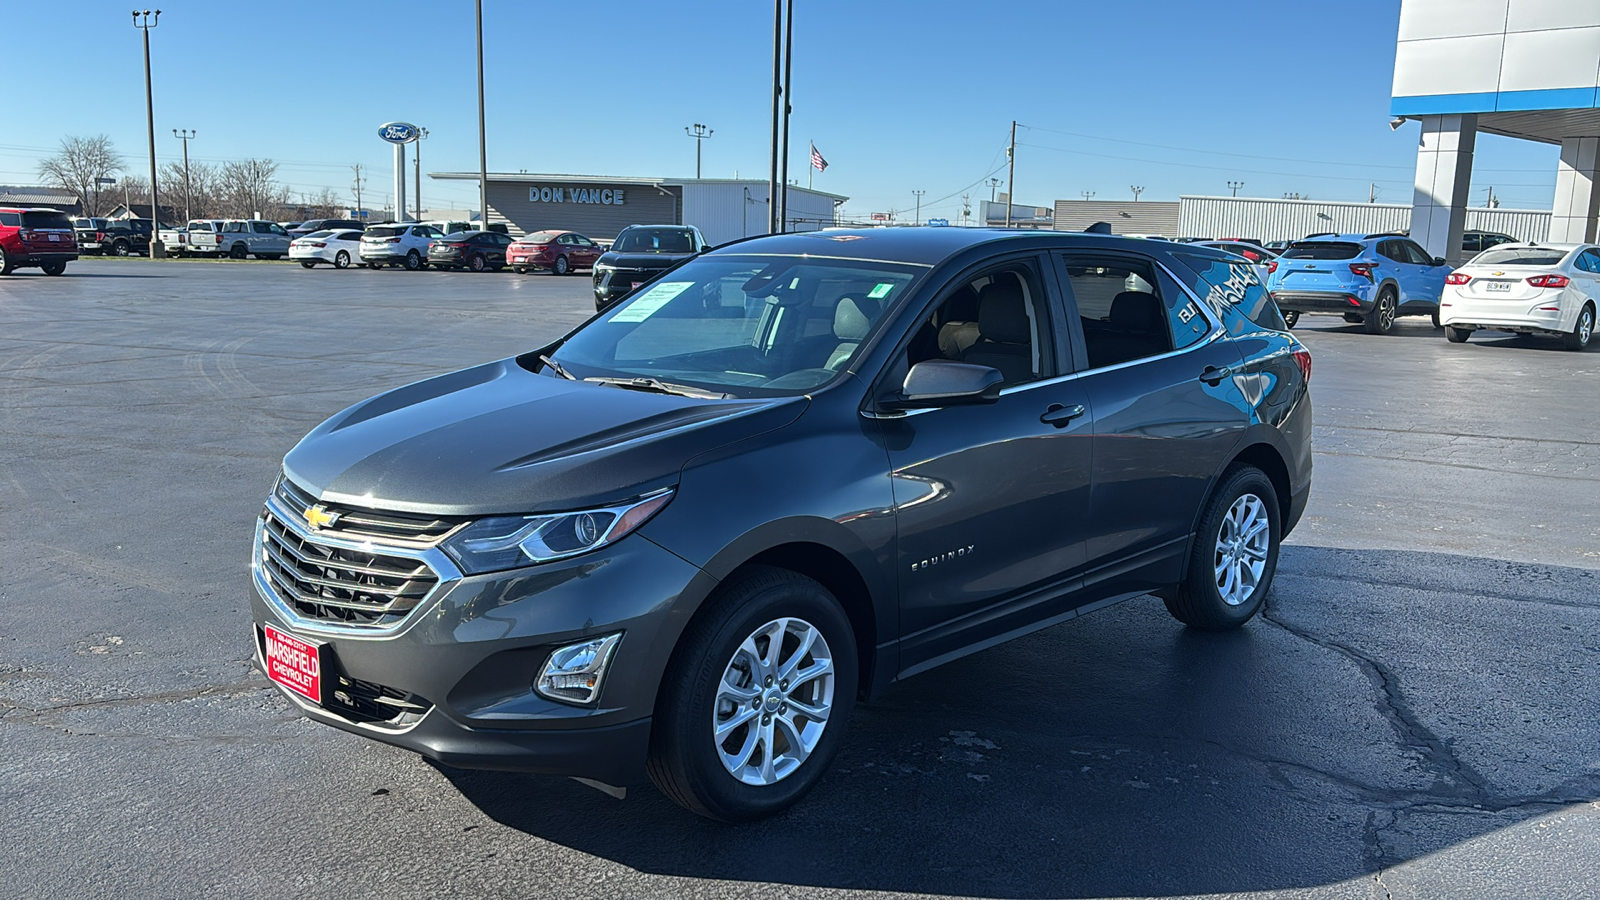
x: 645, y: 305
x: 881, y: 291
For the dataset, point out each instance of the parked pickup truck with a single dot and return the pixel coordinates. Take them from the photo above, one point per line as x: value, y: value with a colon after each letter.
x: 238, y: 238
x: 113, y: 237
x: 176, y: 240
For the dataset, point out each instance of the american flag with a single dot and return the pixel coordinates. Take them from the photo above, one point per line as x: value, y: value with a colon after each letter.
x: 817, y: 162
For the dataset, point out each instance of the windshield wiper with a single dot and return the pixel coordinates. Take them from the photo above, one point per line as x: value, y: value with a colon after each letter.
x: 642, y: 383
x: 556, y: 367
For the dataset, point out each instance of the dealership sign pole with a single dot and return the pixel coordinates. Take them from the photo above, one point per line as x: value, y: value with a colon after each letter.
x: 399, y: 134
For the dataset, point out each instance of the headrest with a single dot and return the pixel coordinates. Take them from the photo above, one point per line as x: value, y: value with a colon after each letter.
x: 1135, y: 311
x: 1002, y: 313
x: 852, y: 318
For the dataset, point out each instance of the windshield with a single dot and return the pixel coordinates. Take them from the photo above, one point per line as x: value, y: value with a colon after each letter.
x: 1519, y: 256
x: 1322, y: 250
x: 655, y: 240
x: 744, y: 326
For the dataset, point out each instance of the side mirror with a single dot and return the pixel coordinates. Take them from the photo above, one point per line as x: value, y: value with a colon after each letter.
x: 939, y: 382
x: 1439, y: 261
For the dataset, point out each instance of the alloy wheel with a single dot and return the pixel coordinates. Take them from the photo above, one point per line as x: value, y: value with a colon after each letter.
x: 1241, y: 552
x: 773, y: 701
x: 1385, y: 312
x: 1585, y: 326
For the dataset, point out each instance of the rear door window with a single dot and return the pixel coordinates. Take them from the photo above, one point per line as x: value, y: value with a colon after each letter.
x: 1322, y: 250
x: 1230, y: 284
x: 1128, y: 312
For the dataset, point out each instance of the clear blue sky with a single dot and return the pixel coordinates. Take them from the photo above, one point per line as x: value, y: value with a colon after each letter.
x: 1179, y: 97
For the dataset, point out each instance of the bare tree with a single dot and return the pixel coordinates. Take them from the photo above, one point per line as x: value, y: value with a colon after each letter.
x: 203, y: 194
x: 82, y: 162
x: 250, y: 187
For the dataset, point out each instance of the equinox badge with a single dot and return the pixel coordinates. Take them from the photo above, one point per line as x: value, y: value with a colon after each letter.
x: 943, y: 557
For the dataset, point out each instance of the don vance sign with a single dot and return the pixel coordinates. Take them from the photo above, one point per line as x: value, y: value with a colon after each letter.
x: 604, y: 197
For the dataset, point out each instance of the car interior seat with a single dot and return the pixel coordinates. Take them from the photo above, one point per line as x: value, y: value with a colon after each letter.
x: 852, y: 319
x: 1005, y: 336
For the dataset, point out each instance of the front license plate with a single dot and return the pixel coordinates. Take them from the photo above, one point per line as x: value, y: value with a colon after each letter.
x: 1497, y: 287
x: 293, y: 663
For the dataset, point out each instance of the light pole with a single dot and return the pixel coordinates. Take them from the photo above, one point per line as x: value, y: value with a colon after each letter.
x: 416, y: 159
x: 483, y: 148
x: 777, y: 115
x: 186, y: 135
x: 144, y: 21
x: 1234, y: 186
x: 700, y: 133
x: 993, y: 183
x: 918, y: 219
x: 1137, y: 190
x: 1087, y: 195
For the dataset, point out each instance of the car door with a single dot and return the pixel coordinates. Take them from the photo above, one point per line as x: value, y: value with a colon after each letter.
x: 990, y: 498
x: 589, y: 251
x: 1429, y: 278
x: 1396, y: 266
x: 1159, y: 373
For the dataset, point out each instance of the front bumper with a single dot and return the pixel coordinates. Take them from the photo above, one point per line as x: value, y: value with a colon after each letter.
x: 611, y: 285
x: 1356, y: 300
x: 465, y: 660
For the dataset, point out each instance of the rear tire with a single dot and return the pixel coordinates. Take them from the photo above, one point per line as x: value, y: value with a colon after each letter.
x: 1353, y: 319
x: 413, y: 261
x: 1582, y: 330
x: 561, y: 266
x: 308, y: 264
x: 271, y: 256
x: 520, y: 270
x: 476, y: 263
x: 1381, y: 319
x: 1235, y: 554
x: 1436, y: 322
x: 54, y: 268
x: 120, y: 248
x: 1456, y: 335
x: 238, y: 251
x: 756, y: 633
x: 1291, y: 317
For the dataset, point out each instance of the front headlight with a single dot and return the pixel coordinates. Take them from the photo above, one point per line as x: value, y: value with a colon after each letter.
x: 604, y: 267
x: 506, y: 542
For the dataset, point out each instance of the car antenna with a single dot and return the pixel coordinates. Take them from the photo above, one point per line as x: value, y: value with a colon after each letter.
x: 1098, y: 228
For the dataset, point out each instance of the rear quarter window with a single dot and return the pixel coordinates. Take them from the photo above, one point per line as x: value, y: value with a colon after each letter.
x: 1234, y: 291
x: 10, y: 220
x: 1322, y: 250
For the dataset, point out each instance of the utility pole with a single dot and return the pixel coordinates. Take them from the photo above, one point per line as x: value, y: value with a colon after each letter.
x: 788, y: 107
x: 1087, y: 195
x: 966, y: 208
x: 777, y: 114
x: 1234, y: 186
x: 357, y: 169
x: 700, y: 133
x: 144, y: 22
x: 483, y: 148
x: 416, y: 160
x: 1372, y: 192
x: 1137, y: 190
x: 185, y: 135
x: 1011, y: 174
x: 918, y: 219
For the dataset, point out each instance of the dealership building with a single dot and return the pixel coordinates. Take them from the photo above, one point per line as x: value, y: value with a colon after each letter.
x: 599, y: 206
x: 1526, y: 69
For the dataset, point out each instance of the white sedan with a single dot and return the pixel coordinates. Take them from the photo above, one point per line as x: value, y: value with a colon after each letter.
x: 1531, y: 288
x: 338, y: 247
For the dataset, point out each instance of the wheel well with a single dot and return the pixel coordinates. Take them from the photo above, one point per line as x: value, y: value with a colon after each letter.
x: 833, y: 571
x: 1265, y: 457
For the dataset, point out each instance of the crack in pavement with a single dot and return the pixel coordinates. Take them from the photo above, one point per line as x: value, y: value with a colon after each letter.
x: 31, y: 714
x: 1441, y: 589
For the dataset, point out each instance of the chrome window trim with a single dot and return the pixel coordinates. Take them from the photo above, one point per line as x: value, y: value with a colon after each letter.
x: 433, y: 557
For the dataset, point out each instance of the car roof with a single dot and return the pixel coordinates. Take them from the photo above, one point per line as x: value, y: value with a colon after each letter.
x: 931, y: 245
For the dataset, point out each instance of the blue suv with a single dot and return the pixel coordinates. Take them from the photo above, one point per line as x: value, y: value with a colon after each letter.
x: 1371, y: 279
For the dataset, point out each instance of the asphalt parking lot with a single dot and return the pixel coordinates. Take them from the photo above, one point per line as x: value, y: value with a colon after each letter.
x: 1414, y: 716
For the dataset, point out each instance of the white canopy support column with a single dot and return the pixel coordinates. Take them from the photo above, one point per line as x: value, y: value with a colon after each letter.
x: 1577, y: 203
x: 1444, y: 177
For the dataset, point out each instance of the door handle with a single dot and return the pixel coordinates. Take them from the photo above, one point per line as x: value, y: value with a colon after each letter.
x: 1213, y: 375
x: 1060, y: 416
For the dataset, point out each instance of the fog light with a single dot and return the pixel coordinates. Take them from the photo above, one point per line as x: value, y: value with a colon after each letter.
x: 573, y: 674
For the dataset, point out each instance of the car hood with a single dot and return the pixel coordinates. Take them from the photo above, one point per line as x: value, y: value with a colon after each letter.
x: 498, y: 438
x: 643, y: 260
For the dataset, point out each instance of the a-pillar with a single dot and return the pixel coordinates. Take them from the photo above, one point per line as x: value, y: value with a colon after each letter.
x: 1572, y: 218
x: 1444, y: 176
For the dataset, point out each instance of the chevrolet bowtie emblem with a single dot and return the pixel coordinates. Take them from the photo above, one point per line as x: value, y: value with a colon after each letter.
x: 1496, y: 273
x: 318, y: 517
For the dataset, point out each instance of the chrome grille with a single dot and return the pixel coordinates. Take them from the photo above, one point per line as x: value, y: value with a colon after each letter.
x: 340, y: 585
x: 359, y: 524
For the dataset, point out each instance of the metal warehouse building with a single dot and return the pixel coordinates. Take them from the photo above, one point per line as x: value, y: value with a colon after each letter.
x: 599, y: 206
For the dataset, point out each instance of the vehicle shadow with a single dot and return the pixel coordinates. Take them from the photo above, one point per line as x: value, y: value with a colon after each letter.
x: 1123, y: 755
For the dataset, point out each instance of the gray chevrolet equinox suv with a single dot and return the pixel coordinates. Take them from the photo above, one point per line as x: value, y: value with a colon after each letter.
x: 685, y: 539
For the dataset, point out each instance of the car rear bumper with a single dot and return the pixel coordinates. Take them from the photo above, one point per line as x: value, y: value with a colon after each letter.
x: 42, y: 258
x: 1352, y: 301
x: 1508, y: 315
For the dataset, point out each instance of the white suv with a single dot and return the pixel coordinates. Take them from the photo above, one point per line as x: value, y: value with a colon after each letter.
x: 399, y: 243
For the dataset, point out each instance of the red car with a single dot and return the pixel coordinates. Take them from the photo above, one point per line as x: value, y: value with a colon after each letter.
x: 559, y: 251
x: 36, y: 237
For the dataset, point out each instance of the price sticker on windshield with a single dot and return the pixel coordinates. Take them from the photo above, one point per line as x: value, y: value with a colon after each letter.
x: 645, y: 305
x: 881, y: 291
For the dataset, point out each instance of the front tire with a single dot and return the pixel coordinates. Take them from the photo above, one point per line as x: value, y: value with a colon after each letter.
x: 1456, y: 335
x: 756, y: 700
x: 5, y: 263
x: 1235, y: 554
x: 1381, y: 319
x: 1582, y: 330
x: 1291, y: 318
x: 341, y: 260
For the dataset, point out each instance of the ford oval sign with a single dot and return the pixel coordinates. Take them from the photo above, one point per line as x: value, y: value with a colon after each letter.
x: 398, y: 132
